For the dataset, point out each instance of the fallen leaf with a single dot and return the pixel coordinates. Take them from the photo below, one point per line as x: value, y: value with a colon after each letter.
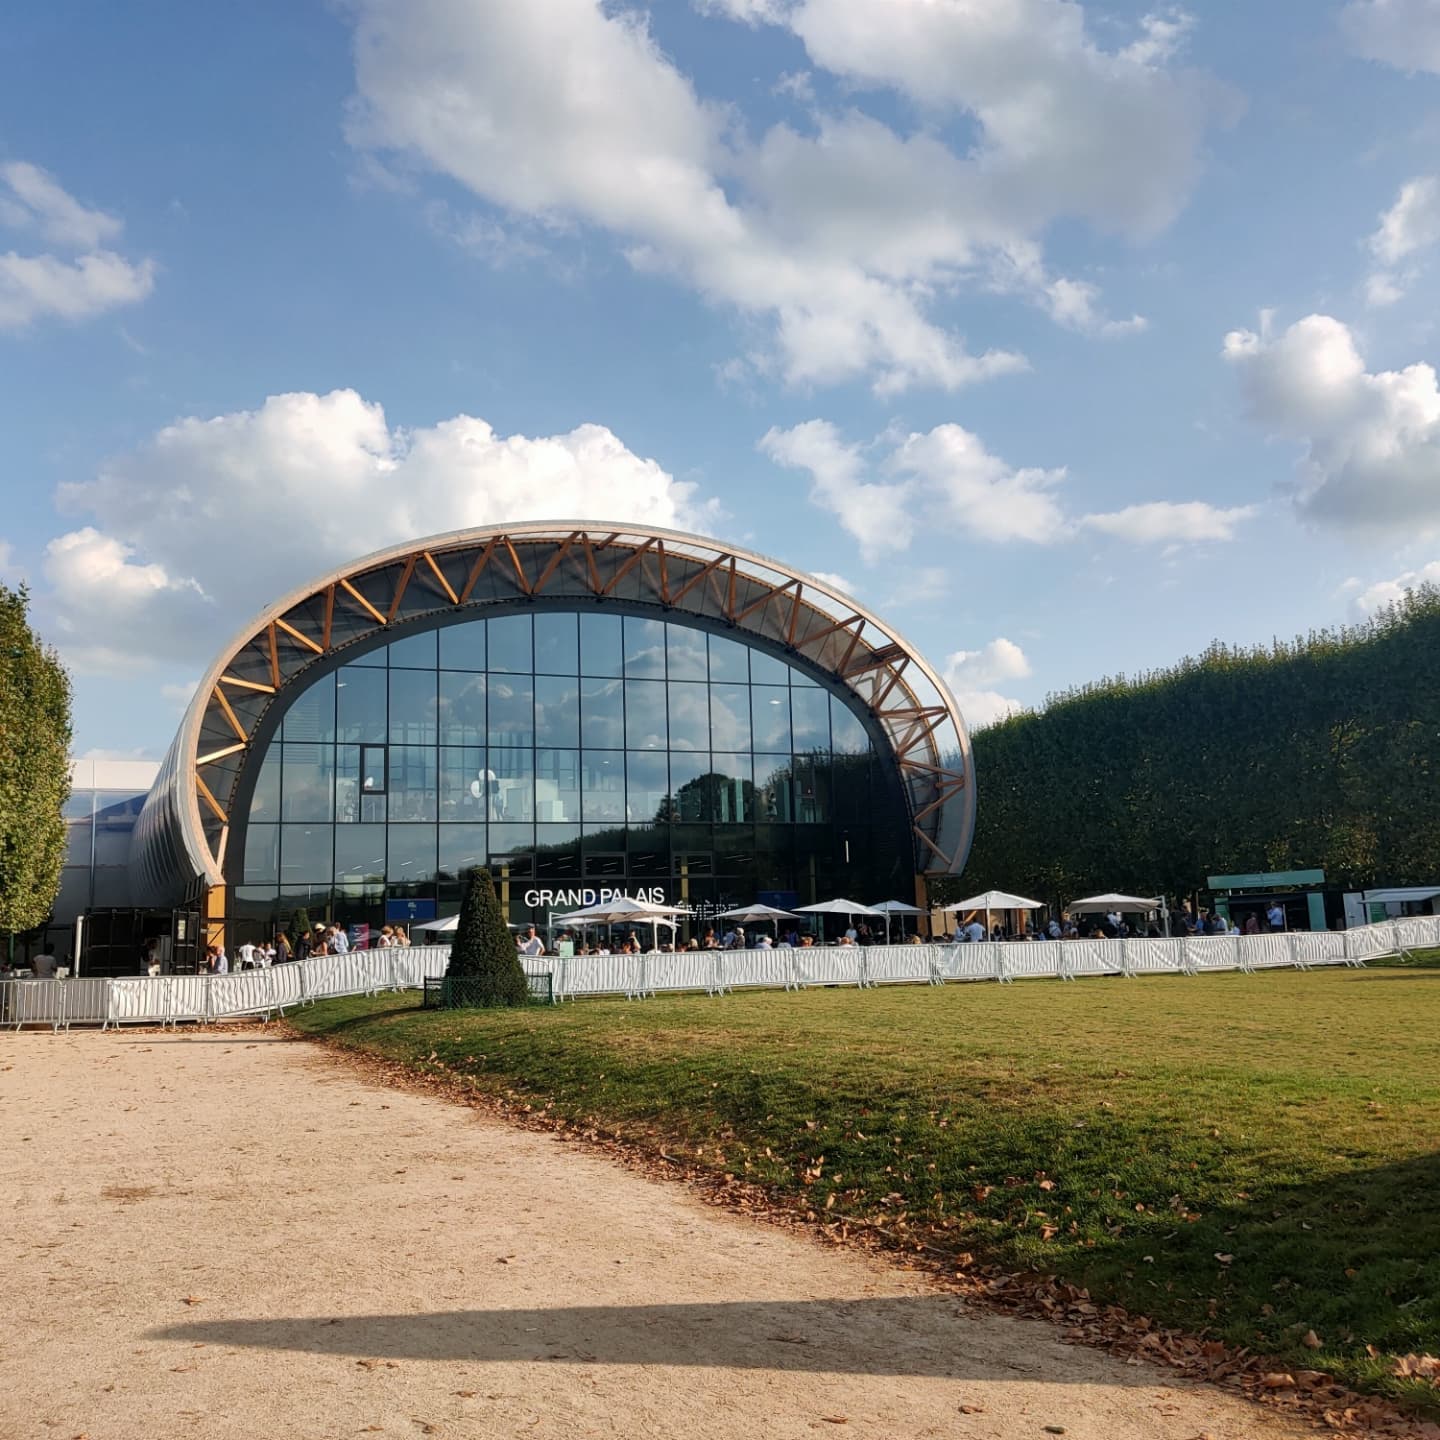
x: 836, y: 1419
x: 1310, y: 1340
x: 1222, y: 1258
x: 192, y: 1299
x: 1277, y: 1380
x: 1054, y: 1429
x: 972, y: 1409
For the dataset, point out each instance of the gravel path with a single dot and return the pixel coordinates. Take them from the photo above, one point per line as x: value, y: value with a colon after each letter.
x: 230, y: 1234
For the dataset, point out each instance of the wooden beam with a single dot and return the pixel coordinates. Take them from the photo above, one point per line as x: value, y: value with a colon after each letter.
x: 405, y: 575
x: 521, y: 579
x: 217, y: 754
x: 355, y: 595
x: 696, y: 578
x: 482, y: 560
x: 795, y: 616
x: 636, y: 556
x: 730, y: 592
x: 595, y: 586
x: 439, y: 574
x: 247, y: 684
x: 211, y: 801
x: 274, y: 657
x: 303, y: 639
x: 664, y: 575
x: 329, y: 616
x: 230, y: 715
x: 553, y: 564
x: 764, y: 600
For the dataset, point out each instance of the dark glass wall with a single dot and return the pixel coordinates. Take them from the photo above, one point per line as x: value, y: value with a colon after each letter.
x: 568, y: 751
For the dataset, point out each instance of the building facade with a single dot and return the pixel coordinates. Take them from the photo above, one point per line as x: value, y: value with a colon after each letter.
x: 582, y: 708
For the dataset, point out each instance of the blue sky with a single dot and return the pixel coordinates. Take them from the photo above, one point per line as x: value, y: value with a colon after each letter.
x: 1070, y: 337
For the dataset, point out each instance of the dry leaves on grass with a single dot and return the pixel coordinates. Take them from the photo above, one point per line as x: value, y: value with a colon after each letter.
x: 1418, y: 1367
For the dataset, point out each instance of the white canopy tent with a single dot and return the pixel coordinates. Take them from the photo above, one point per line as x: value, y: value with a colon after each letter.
x: 446, y: 926
x: 849, y: 908
x: 622, y: 910
x: 757, y: 914
x: 1123, y: 904
x: 989, y: 901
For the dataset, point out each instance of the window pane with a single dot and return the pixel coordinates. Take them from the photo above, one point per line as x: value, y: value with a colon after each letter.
x: 514, y: 784
x: 772, y: 788
x: 799, y: 679
x: 810, y: 719
x: 689, y: 716
x: 360, y: 854
x: 374, y: 770
x: 644, y: 649
x: 685, y: 653
x: 305, y: 856
x: 600, y: 646
x: 311, y: 715
x: 729, y: 660
x: 557, y: 786
x: 462, y: 848
x: 412, y: 707
x: 770, y: 717
x: 602, y: 783
x: 308, y: 783
x: 730, y: 717
x: 512, y: 707
x: 848, y: 735
x: 734, y: 796
x: 410, y: 854
x: 462, y: 708
x: 115, y: 817
x: 647, y: 786
x: 413, y: 789
x: 645, y: 714
x: 690, y: 787
x: 466, y: 785
x: 812, y: 789
x: 265, y: 801
x: 510, y: 645
x: 557, y: 851
x: 262, y: 854
x: 512, y: 848
x: 360, y: 704
x: 557, y: 644
x: 462, y: 647
x: 602, y: 714
x: 767, y: 670
x: 414, y: 652
x: 557, y: 710
x: 79, y: 838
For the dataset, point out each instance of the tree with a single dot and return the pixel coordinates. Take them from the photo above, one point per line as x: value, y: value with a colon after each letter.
x: 34, y: 767
x: 300, y: 925
x: 484, y: 965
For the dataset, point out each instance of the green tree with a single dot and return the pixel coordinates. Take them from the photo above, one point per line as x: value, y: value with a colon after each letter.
x: 34, y: 767
x: 484, y: 965
x: 300, y: 925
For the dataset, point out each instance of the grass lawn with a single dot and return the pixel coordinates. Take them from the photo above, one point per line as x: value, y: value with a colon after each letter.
x: 1120, y: 1134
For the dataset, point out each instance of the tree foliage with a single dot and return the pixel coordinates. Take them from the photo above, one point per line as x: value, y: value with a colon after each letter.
x: 1322, y: 752
x: 34, y: 767
x: 483, y: 959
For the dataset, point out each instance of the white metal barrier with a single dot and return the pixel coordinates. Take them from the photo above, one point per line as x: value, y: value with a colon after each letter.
x: 169, y: 999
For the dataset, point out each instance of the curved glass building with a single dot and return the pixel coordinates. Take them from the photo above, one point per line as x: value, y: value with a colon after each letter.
x: 583, y: 708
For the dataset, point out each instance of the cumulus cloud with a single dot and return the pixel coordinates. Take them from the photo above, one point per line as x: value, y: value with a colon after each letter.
x: 1410, y: 226
x: 947, y: 479
x: 835, y: 582
x: 844, y: 238
x: 1371, y: 440
x: 87, y: 281
x: 973, y: 676
x: 1402, y: 33
x: 1380, y: 593
x: 272, y: 496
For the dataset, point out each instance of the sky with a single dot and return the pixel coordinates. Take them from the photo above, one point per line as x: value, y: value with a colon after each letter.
x: 1067, y: 337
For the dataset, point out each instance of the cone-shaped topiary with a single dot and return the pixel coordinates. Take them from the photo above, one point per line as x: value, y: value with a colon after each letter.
x: 300, y: 925
x: 484, y: 965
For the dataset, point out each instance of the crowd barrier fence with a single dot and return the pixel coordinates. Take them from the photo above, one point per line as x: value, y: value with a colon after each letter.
x: 171, y: 999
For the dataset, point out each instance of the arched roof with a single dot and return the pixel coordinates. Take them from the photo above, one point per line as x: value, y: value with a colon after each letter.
x: 184, y: 828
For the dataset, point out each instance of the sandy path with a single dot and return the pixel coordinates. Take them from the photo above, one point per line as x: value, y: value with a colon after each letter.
x: 343, y: 1247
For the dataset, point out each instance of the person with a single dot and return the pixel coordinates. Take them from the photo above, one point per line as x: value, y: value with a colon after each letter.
x: 339, y: 940
x: 1053, y: 929
x: 1275, y: 915
x: 402, y: 936
x: 282, y: 948
x: 764, y: 942
x: 694, y: 943
x: 1252, y: 924
x: 975, y: 931
x: 246, y: 955
x: 44, y: 963
x: 152, y: 959
x: 851, y: 933
x: 304, y: 944
x: 807, y: 942
x: 222, y: 960
x: 532, y: 944
x: 386, y: 940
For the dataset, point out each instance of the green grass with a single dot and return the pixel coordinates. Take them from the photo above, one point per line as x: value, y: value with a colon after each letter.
x: 1119, y: 1134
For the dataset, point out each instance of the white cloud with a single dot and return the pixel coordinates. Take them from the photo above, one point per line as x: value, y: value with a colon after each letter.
x: 972, y: 676
x: 35, y: 286
x: 269, y: 497
x: 1410, y: 226
x: 835, y: 582
x: 1390, y: 592
x: 1372, y: 439
x: 1402, y: 33
x: 845, y: 239
x: 1163, y: 520
x: 101, y: 752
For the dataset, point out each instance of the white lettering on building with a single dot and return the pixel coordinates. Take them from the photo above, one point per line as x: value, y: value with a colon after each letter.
x: 577, y: 899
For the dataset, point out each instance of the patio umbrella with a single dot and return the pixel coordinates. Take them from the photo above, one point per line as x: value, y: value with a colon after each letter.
x: 993, y: 900
x: 752, y: 914
x: 1093, y: 903
x: 896, y: 907
x: 450, y: 923
x: 623, y: 910
x: 849, y: 908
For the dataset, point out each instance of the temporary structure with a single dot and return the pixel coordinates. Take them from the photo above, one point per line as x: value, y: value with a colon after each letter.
x: 622, y: 910
x: 992, y: 900
x: 896, y: 907
x: 849, y: 908
x: 448, y: 925
x: 1093, y: 904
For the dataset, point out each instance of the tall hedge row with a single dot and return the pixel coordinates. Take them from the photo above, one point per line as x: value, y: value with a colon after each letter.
x: 1322, y: 752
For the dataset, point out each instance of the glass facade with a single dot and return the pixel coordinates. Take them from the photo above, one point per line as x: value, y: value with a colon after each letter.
x: 566, y: 750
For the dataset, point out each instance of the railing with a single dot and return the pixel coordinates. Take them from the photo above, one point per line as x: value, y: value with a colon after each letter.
x: 169, y: 999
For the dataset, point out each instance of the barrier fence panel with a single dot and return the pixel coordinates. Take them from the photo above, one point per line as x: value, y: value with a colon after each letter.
x: 967, y: 962
x: 1090, y: 957
x: 1211, y: 952
x: 1152, y: 957
x: 1265, y: 952
x: 1320, y: 947
x: 682, y: 970
x: 1037, y: 960
x: 813, y: 965
x: 1417, y: 932
x: 746, y: 969
x: 898, y: 964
